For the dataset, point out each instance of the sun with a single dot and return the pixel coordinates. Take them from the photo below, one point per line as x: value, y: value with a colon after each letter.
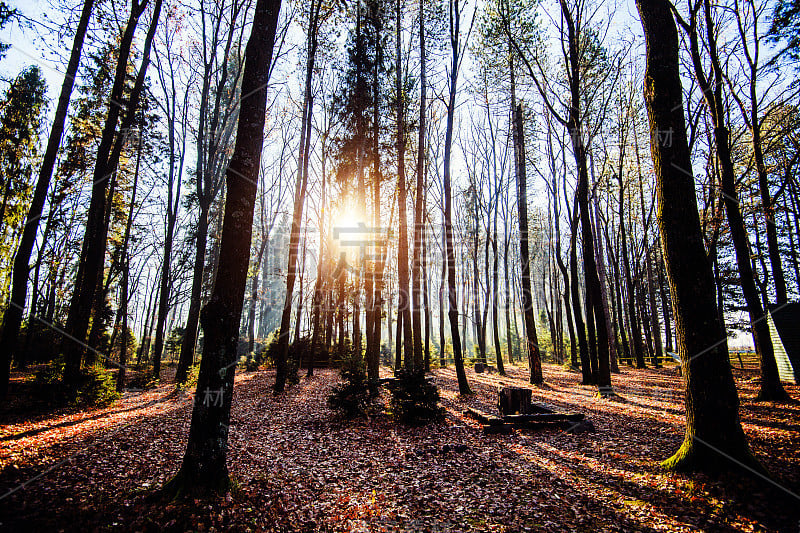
x: 348, y: 216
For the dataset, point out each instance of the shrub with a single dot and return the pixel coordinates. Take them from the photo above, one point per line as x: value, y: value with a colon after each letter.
x: 191, y: 379
x: 415, y: 399
x: 251, y: 362
x: 352, y: 397
x: 142, y: 379
x: 95, y: 386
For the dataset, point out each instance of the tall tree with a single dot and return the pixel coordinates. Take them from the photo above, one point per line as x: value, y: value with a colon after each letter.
x: 711, y: 84
x: 532, y: 341
x: 12, y: 318
x: 419, y: 194
x: 217, y: 112
x: 412, y: 346
x: 458, y: 43
x: 204, y: 470
x: 301, y: 184
x: 714, y: 435
x: 90, y: 270
x: 176, y: 115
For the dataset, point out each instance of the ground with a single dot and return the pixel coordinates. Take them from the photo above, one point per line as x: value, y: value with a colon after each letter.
x: 297, y: 467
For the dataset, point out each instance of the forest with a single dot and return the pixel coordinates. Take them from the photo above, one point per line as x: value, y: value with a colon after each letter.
x: 400, y: 265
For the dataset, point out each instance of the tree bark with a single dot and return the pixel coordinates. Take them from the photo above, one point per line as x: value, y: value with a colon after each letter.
x: 714, y: 433
x: 204, y: 470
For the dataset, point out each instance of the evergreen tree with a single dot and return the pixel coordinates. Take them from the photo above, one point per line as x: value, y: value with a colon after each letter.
x: 20, y: 124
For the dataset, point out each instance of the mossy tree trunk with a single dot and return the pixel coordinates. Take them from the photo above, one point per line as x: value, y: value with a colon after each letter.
x: 714, y: 439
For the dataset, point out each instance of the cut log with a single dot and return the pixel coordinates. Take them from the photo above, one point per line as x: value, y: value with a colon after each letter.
x: 479, y: 368
x: 543, y: 417
x: 483, y: 417
x: 503, y: 429
x: 514, y: 400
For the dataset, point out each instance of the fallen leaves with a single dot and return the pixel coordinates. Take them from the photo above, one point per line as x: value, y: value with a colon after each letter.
x: 299, y: 468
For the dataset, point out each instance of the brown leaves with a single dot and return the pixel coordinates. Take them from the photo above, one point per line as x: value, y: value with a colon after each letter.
x: 299, y: 468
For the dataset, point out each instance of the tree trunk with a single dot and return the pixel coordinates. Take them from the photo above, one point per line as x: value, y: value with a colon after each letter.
x: 411, y: 334
x: 442, y: 282
x: 771, y: 387
x: 531, y: 339
x: 452, y: 297
x: 375, y: 279
x: 665, y: 306
x: 251, y: 320
x: 594, y: 303
x: 90, y: 269
x: 204, y: 470
x: 714, y: 434
x: 636, y: 335
x: 498, y: 350
x: 425, y: 295
x: 416, y: 273
x: 299, y: 199
x: 12, y: 319
x: 173, y: 205
x: 125, y: 266
x: 192, y: 320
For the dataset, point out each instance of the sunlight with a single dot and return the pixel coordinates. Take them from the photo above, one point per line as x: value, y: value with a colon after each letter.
x: 348, y: 215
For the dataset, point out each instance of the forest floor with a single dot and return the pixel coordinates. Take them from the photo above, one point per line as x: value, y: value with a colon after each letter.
x: 298, y: 467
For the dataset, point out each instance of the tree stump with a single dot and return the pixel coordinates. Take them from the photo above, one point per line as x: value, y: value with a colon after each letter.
x: 514, y: 401
x: 479, y: 367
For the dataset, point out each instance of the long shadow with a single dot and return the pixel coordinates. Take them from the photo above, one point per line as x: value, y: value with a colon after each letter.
x: 670, y: 410
x: 776, y: 509
x: 32, y: 432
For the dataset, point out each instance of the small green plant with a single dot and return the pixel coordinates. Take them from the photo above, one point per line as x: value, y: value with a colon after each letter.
x: 415, y: 399
x: 352, y: 397
x: 95, y: 386
x: 191, y: 379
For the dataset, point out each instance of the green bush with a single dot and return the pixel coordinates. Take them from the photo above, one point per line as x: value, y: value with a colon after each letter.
x: 95, y: 386
x: 352, y: 397
x: 415, y: 399
x: 191, y: 379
